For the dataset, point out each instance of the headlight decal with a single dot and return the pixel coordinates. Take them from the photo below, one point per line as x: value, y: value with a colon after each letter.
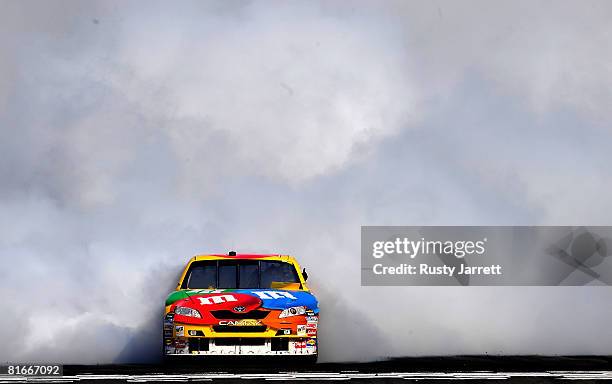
x: 189, y: 312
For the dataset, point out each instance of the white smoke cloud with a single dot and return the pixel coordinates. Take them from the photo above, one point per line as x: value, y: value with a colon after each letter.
x: 136, y: 135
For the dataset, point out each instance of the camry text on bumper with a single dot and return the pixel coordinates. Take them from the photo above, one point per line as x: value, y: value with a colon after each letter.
x: 240, y: 304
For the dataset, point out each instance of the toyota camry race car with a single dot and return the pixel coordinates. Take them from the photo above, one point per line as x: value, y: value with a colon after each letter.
x: 240, y: 304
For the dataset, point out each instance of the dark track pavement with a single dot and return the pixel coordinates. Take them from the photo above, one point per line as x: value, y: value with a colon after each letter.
x: 408, y: 364
x: 525, y: 369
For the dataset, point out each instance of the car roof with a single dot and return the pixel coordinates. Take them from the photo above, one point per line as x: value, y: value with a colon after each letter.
x: 244, y: 256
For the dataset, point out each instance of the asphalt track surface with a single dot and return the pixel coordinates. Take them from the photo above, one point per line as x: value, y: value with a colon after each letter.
x: 523, y: 369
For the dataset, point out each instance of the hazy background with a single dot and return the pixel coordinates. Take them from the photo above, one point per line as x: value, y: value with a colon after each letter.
x: 134, y: 135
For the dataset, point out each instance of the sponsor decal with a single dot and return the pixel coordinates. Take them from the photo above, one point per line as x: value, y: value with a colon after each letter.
x: 240, y: 323
x: 299, y: 344
x: 192, y: 332
x: 279, y: 299
x: 311, y: 332
x: 311, y: 325
x: 311, y: 342
x: 185, y: 294
x: 209, y: 300
x: 285, y: 331
x: 301, y: 329
x: 180, y: 330
x: 312, y: 319
x: 266, y: 295
x: 250, y: 299
x: 235, y: 301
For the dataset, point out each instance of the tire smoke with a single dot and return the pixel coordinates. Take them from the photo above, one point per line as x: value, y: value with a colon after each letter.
x: 135, y: 135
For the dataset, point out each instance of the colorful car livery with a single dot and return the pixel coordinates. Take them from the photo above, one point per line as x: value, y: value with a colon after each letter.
x: 241, y: 304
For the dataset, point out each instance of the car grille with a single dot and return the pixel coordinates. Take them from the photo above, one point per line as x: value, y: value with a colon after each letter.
x: 234, y: 329
x: 256, y: 314
x: 233, y: 341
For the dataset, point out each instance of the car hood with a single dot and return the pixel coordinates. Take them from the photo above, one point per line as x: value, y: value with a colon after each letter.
x: 207, y: 299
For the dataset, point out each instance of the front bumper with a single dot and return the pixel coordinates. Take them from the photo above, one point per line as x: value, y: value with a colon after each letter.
x: 266, y: 337
x: 248, y: 346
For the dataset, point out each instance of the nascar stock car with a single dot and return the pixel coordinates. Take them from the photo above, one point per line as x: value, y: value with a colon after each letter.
x: 241, y: 304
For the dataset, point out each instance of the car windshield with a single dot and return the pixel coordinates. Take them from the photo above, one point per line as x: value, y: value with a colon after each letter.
x: 236, y: 274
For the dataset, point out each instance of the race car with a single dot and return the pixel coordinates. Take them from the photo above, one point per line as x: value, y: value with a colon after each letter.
x: 242, y: 304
